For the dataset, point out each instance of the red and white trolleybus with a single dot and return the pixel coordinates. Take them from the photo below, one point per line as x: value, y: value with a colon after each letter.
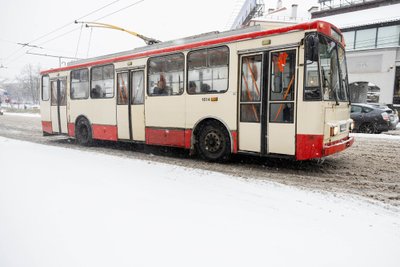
x: 271, y: 92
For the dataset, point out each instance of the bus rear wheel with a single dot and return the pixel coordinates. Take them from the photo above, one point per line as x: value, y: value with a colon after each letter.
x: 213, y: 142
x: 83, y: 132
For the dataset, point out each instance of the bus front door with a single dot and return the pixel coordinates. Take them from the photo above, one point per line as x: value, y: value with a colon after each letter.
x: 59, y: 105
x: 280, y: 120
x: 130, y: 105
x: 251, y: 95
x: 267, y: 102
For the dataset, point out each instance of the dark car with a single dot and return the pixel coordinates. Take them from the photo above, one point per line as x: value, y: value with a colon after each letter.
x: 394, y: 118
x: 370, y: 118
x: 393, y: 115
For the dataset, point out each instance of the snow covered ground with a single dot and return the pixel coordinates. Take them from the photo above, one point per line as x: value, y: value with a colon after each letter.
x: 386, y: 136
x: 64, y: 207
x: 27, y: 114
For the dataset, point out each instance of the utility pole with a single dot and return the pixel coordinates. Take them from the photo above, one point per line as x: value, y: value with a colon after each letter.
x: 147, y: 40
x: 46, y: 55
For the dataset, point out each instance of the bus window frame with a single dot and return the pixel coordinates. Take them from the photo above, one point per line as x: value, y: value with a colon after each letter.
x: 58, y: 80
x: 262, y: 81
x: 148, y: 74
x: 48, y: 89
x: 319, y: 87
x: 320, y: 73
x: 89, y: 83
x: 131, y: 85
x: 90, y: 77
x: 187, y: 70
x: 117, y: 85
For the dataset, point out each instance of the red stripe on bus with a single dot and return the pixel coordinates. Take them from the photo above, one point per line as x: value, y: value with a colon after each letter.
x: 309, y: 146
x: 105, y: 132
x: 71, y: 129
x: 166, y: 137
x: 47, y: 127
x: 320, y: 26
x: 188, y: 138
x: 234, y: 140
x: 337, y: 146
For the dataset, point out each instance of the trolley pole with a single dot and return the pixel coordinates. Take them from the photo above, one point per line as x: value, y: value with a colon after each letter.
x: 147, y: 40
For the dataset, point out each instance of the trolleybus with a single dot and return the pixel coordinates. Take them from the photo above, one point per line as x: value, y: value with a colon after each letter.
x: 269, y: 92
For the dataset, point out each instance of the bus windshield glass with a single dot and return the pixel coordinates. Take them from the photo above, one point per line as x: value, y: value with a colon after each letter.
x: 333, y: 70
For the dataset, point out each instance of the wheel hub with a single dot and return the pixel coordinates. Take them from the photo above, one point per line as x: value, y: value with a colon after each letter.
x: 213, y: 142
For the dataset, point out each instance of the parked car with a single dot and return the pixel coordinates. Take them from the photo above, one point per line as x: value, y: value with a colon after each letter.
x: 370, y: 118
x: 394, y: 119
x: 393, y: 115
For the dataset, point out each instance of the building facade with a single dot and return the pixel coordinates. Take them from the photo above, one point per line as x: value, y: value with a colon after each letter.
x: 371, y: 29
x: 372, y: 33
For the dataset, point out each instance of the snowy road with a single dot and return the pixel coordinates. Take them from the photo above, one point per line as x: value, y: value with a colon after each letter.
x: 371, y: 168
x: 65, y: 207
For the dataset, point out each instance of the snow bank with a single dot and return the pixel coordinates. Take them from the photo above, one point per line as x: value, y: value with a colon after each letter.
x: 22, y: 114
x: 64, y: 207
x: 376, y: 136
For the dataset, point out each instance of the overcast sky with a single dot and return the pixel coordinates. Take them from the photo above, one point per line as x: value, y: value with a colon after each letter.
x: 23, y: 21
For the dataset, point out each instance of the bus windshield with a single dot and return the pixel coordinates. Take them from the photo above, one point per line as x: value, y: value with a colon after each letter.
x: 333, y: 70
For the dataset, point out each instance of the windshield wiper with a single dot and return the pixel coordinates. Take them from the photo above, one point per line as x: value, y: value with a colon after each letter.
x: 335, y: 94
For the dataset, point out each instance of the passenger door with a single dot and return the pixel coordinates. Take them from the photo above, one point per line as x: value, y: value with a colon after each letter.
x: 250, y: 102
x: 280, y: 122
x: 59, y: 105
x: 130, y: 105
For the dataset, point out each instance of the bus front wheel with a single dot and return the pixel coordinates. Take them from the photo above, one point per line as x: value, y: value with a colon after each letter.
x: 83, y: 133
x: 213, y: 142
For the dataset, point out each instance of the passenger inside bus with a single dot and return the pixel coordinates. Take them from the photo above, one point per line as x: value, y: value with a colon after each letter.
x: 161, y: 87
x: 96, y: 91
x: 192, y: 87
x: 204, y: 88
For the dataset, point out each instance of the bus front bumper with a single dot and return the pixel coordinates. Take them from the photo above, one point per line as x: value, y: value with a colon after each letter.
x: 337, y: 146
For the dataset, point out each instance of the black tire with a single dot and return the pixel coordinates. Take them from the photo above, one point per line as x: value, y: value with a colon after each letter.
x: 213, y: 142
x: 83, y: 132
x: 367, y: 128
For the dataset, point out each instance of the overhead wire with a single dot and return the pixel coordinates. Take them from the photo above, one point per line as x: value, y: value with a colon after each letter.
x: 75, y: 29
x: 79, y: 39
x: 54, y: 31
x: 90, y: 41
x: 137, y: 2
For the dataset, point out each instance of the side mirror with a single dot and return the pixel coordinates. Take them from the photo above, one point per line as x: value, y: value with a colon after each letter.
x: 312, y: 47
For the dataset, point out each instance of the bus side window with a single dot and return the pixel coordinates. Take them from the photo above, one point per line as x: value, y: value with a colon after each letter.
x: 45, y: 88
x: 102, y: 82
x: 208, y: 70
x: 312, y: 88
x: 165, y: 75
x: 283, y: 75
x: 53, y: 87
x: 80, y: 84
x: 122, y: 88
x: 250, y: 95
x: 137, y: 79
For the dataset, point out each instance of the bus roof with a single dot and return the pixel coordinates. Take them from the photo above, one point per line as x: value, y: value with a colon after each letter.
x: 198, y: 41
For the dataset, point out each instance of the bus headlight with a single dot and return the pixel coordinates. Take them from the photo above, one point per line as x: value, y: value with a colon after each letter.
x: 351, y: 126
x: 334, y: 130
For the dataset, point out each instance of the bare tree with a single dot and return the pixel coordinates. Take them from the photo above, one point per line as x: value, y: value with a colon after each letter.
x: 29, y: 82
